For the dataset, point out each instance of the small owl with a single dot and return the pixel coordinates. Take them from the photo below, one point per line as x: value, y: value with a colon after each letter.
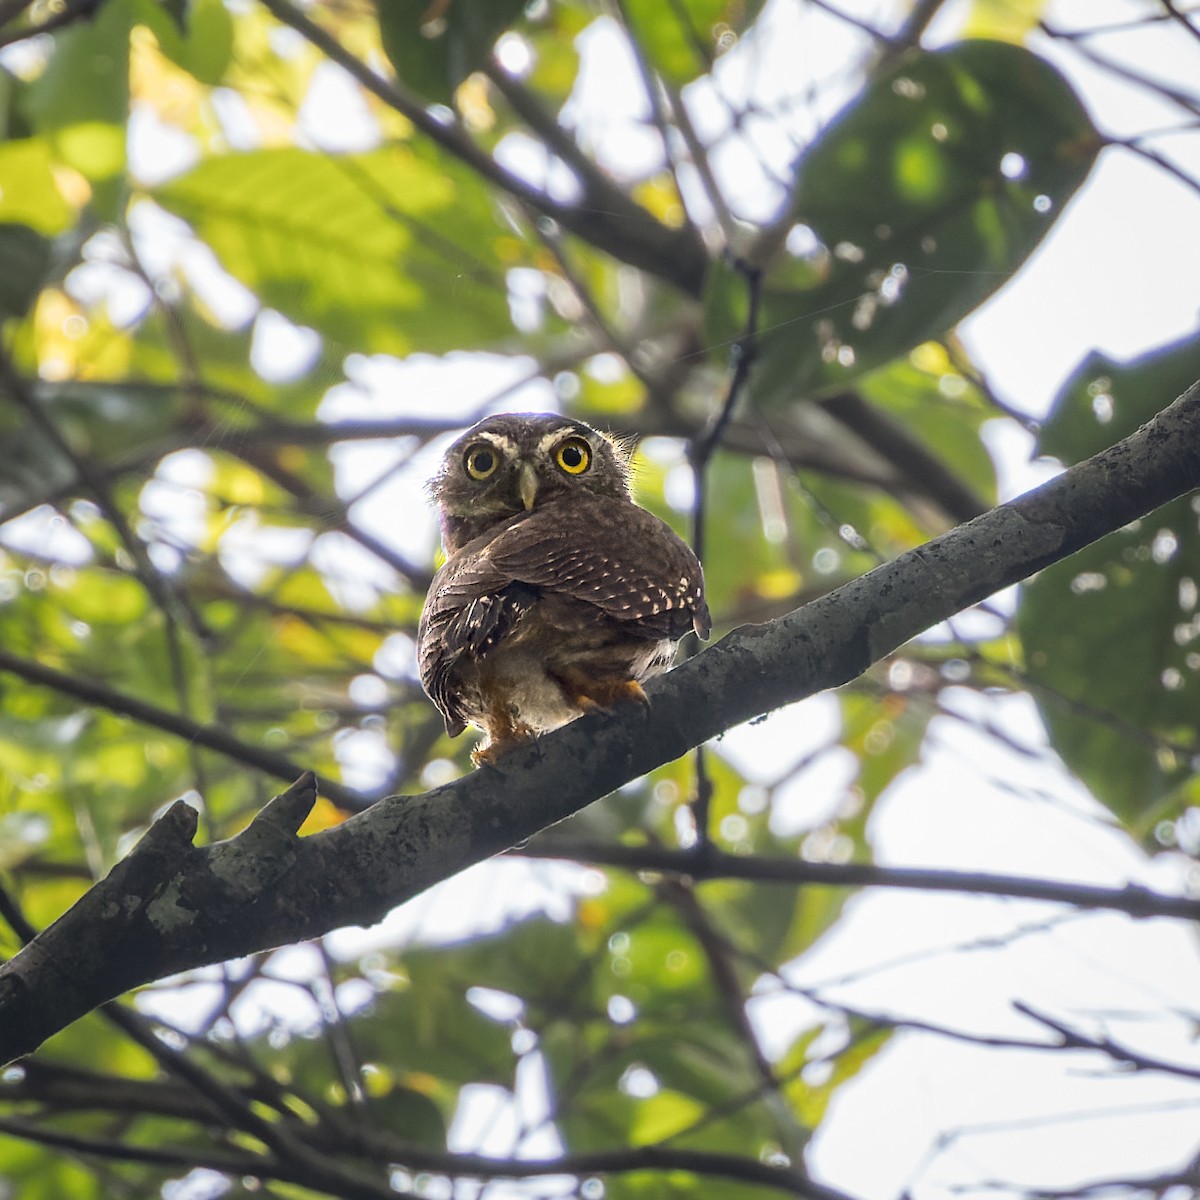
x: 558, y: 594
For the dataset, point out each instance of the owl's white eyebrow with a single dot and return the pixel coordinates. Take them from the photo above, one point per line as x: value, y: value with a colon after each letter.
x: 556, y: 436
x: 498, y: 440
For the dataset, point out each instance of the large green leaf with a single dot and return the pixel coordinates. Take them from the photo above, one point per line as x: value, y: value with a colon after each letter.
x: 434, y: 47
x: 379, y: 252
x: 918, y: 202
x: 81, y: 100
x: 1112, y: 634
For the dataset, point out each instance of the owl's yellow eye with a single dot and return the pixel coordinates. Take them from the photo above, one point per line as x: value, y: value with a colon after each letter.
x: 574, y: 456
x: 480, y: 460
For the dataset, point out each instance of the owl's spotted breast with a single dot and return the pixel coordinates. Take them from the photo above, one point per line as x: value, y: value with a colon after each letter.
x: 561, y: 604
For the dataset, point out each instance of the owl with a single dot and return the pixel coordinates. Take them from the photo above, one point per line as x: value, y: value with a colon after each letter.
x: 558, y: 594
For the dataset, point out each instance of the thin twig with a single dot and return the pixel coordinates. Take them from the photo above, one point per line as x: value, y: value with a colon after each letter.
x: 698, y: 153
x: 213, y: 737
x: 1134, y: 146
x: 1181, y: 18
x: 1189, y: 103
x: 741, y: 354
x: 167, y: 599
x: 1132, y: 899
x: 1073, y: 1039
x: 71, y: 11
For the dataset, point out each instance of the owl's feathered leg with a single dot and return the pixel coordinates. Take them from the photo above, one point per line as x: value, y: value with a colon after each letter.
x: 504, y: 731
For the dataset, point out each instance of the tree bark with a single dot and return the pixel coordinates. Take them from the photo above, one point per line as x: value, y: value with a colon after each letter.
x: 172, y: 905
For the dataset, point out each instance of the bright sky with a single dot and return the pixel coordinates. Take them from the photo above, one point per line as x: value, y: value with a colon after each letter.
x: 1106, y: 278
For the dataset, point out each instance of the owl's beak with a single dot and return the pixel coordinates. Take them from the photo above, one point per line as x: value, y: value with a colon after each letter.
x: 527, y: 484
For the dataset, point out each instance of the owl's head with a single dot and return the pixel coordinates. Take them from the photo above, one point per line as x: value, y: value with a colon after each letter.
x: 515, y: 462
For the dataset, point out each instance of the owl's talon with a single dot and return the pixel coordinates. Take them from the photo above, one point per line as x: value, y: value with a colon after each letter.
x: 513, y: 738
x: 605, y: 694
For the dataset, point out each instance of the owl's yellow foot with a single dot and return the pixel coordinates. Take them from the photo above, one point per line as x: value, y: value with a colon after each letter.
x: 501, y: 742
x: 590, y: 693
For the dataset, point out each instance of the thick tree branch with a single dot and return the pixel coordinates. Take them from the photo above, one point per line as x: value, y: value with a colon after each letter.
x: 172, y: 905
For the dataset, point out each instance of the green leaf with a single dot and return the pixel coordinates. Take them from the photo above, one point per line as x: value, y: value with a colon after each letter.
x: 24, y: 261
x: 553, y: 35
x: 1112, y: 634
x: 434, y: 47
x: 885, y: 734
x: 81, y: 100
x: 937, y: 406
x: 444, y: 1035
x: 917, y: 203
x: 810, y: 1101
x: 379, y: 252
x: 28, y: 193
x: 199, y: 40
x: 37, y: 1173
x: 683, y: 39
x: 1104, y: 401
x: 1011, y: 20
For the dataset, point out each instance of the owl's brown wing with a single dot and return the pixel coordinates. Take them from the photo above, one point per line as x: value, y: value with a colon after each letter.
x: 613, y: 555
x: 617, y: 556
x: 468, y: 611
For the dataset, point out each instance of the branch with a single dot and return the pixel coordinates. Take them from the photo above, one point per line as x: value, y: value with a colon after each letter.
x: 472, y: 1166
x: 67, y: 14
x: 212, y: 737
x: 1072, y: 1039
x: 1132, y: 899
x: 1134, y: 1185
x: 171, y: 905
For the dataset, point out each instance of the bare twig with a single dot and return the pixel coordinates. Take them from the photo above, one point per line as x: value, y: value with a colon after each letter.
x: 1072, y: 1039
x: 1132, y: 899
x: 1181, y: 18
x: 741, y: 355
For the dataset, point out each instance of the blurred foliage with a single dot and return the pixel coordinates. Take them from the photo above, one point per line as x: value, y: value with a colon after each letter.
x: 1112, y: 634
x: 245, y: 301
x: 434, y: 48
x: 929, y: 189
